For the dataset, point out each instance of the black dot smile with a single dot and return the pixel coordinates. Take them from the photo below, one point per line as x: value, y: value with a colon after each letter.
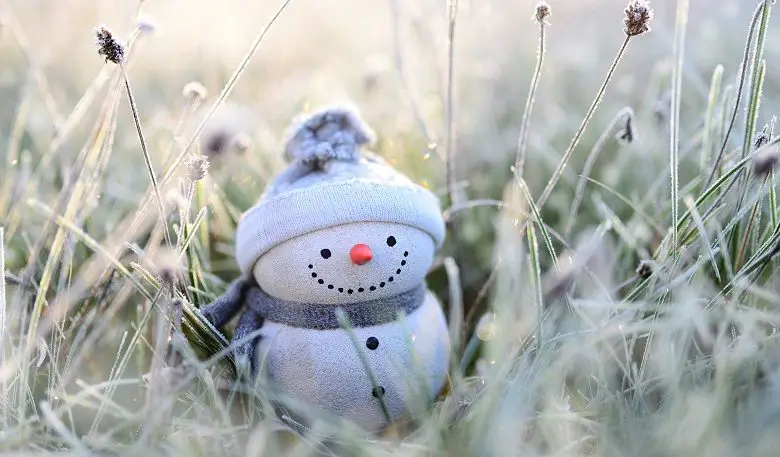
x: 326, y: 254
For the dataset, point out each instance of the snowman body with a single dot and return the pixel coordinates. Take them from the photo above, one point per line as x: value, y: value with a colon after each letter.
x: 340, y: 234
x: 352, y: 266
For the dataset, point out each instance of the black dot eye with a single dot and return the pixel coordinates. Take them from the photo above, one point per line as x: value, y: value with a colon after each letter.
x: 325, y: 253
x: 391, y: 241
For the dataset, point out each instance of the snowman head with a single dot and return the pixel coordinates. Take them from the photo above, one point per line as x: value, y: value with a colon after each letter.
x: 338, y: 225
x: 347, y: 263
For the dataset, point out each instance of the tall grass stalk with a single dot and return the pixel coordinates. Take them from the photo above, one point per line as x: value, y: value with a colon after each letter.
x: 522, y: 140
x: 72, y: 197
x: 449, y: 147
x: 756, y: 85
x: 709, y: 122
x: 12, y: 153
x: 578, y: 135
x: 535, y: 273
x: 674, y: 120
x: 455, y: 309
x: 145, y: 151
x: 757, y: 15
x: 757, y: 66
x: 624, y: 115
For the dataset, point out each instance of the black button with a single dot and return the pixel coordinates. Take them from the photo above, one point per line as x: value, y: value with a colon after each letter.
x: 372, y: 343
x: 378, y: 391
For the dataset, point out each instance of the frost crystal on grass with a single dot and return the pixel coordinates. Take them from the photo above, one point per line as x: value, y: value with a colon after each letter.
x: 197, y: 167
x: 195, y: 91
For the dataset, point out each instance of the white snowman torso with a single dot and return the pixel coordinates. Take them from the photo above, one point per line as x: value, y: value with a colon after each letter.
x: 351, y: 266
x: 408, y: 361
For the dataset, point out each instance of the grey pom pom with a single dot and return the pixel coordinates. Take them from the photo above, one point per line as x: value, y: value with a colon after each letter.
x: 333, y: 133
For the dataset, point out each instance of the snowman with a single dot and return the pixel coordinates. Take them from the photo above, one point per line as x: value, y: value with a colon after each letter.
x: 340, y: 236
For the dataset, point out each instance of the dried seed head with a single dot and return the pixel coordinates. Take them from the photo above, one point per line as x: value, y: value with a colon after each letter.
x: 763, y: 138
x: 542, y: 12
x: 626, y: 134
x: 638, y: 17
x: 108, y: 46
x: 195, y: 91
x: 766, y: 135
x: 645, y: 269
x: 197, y: 166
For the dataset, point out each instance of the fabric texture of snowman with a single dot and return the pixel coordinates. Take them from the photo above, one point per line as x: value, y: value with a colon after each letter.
x: 340, y: 229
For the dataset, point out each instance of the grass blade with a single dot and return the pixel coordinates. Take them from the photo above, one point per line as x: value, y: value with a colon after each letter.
x: 674, y: 119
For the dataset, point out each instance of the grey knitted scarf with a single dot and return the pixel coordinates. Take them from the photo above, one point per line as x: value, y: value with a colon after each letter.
x: 323, y: 317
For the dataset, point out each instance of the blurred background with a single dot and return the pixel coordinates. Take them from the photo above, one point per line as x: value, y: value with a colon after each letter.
x: 388, y: 57
x: 362, y: 51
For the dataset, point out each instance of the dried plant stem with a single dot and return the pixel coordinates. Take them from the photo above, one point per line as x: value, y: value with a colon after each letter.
x: 12, y: 154
x: 674, y: 118
x: 743, y: 245
x: 577, y: 136
x: 455, y: 310
x: 449, y: 154
x: 522, y: 141
x: 70, y: 199
x: 740, y: 89
x: 589, y: 162
x: 709, y: 123
x: 147, y: 158
x: 756, y: 78
x: 449, y: 212
x: 757, y: 75
x: 536, y: 279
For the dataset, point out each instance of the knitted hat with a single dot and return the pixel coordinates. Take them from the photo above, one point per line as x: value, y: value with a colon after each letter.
x: 329, y: 182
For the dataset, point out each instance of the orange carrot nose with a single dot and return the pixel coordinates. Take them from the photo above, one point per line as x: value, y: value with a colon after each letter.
x: 360, y: 254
